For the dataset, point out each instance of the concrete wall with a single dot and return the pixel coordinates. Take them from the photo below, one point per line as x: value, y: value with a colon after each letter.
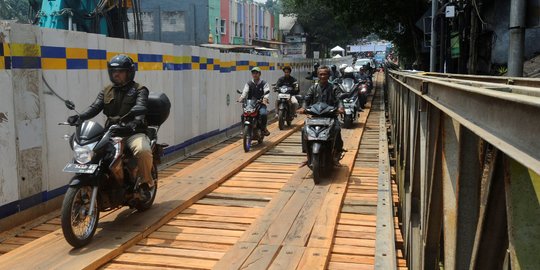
x: 199, y: 81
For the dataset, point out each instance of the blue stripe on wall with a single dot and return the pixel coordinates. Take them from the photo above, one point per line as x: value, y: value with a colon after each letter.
x: 150, y: 58
x: 97, y: 54
x: 53, y: 52
x: 25, y: 62
x: 77, y: 64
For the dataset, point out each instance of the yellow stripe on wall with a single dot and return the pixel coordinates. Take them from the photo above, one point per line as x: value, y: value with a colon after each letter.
x: 76, y: 53
x: 26, y: 50
x: 150, y: 66
x: 95, y: 64
x: 2, y: 62
x: 53, y: 63
x: 7, y: 50
x: 168, y: 59
x: 195, y: 66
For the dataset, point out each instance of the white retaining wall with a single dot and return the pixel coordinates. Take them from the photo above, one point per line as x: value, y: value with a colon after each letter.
x: 32, y: 149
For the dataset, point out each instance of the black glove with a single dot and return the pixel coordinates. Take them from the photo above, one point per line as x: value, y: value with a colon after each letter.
x: 133, y: 124
x: 72, y: 120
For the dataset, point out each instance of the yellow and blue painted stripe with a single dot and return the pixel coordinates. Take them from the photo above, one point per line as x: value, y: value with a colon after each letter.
x: 34, y: 56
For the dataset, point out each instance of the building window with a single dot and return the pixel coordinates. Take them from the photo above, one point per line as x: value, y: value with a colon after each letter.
x: 223, y: 27
x: 218, y: 26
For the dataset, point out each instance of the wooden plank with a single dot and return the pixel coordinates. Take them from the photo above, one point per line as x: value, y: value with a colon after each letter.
x: 348, y: 266
x: 261, y: 257
x: 4, y: 248
x: 239, y: 220
x: 313, y: 258
x: 287, y: 258
x: 164, y: 261
x: 121, y: 266
x: 185, y: 244
x: 258, y: 229
x: 279, y: 227
x: 225, y: 202
x: 354, y: 250
x: 204, y: 231
x: 194, y: 237
x: 228, y: 211
x: 236, y: 256
x: 299, y: 232
x: 348, y: 258
x: 177, y: 252
x: 209, y: 224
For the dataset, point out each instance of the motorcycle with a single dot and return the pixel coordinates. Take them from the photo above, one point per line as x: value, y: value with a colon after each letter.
x: 252, y: 127
x: 285, y: 110
x: 364, y: 92
x: 318, y: 139
x: 349, y: 96
x: 106, y: 170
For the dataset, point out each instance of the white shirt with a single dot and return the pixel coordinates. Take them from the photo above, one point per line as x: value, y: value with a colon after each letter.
x: 266, y: 88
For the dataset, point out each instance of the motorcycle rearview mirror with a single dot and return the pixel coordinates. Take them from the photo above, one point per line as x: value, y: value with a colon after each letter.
x: 238, y: 91
x: 69, y: 104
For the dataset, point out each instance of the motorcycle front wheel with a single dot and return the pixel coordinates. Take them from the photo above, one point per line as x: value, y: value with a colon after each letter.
x: 316, y: 167
x: 78, y: 226
x: 281, y: 119
x: 348, y: 121
x: 246, y: 138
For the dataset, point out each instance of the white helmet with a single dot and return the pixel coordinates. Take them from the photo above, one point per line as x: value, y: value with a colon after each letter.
x: 349, y: 70
x: 343, y: 66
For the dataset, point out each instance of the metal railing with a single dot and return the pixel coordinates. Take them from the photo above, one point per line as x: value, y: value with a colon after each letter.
x: 467, y: 159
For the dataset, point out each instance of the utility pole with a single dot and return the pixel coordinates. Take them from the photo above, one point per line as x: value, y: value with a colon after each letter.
x: 433, y: 49
x: 517, y: 38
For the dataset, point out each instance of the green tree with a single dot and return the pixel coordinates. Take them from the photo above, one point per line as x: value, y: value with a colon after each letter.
x: 14, y: 10
x: 351, y: 19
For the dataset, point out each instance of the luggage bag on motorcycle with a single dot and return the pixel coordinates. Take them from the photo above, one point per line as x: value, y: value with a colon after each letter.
x: 159, y: 107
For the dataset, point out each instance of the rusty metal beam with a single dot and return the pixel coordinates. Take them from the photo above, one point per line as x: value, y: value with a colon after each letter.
x: 505, y: 120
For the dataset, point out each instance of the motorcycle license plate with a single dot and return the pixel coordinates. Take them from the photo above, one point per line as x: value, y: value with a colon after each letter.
x: 348, y: 111
x: 284, y: 96
x: 80, y: 168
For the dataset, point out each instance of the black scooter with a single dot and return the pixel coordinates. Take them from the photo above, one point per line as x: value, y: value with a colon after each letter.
x: 318, y: 139
x: 106, y: 170
x: 285, y: 110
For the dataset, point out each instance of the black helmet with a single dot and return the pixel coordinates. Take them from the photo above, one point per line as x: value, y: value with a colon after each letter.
x: 333, y: 67
x: 287, y: 68
x: 316, y: 65
x: 121, y: 62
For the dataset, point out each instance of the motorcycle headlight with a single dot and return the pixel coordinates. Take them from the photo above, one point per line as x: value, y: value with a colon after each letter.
x: 83, y: 153
x: 284, y: 90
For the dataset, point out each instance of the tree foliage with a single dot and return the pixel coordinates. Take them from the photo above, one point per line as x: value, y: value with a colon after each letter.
x: 14, y: 10
x: 346, y: 20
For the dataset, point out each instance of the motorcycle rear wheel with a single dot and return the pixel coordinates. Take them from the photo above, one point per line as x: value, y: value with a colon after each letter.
x: 143, y: 206
x: 78, y: 228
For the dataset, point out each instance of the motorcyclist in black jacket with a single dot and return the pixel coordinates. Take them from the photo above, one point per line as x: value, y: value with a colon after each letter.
x: 116, y: 100
x: 326, y: 92
x: 289, y: 81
